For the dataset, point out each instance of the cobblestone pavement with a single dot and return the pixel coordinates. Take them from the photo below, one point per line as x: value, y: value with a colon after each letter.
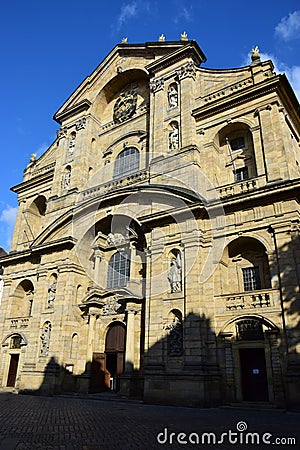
x: 47, y: 423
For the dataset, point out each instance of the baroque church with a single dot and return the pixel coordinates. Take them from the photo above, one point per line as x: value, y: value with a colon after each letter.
x: 156, y: 249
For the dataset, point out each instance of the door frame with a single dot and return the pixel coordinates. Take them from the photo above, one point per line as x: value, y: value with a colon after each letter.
x: 115, y: 379
x: 240, y: 345
x: 6, y: 374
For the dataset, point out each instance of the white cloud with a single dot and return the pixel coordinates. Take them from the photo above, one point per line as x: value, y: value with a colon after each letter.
x: 292, y: 73
x: 289, y: 26
x: 183, y: 14
x: 128, y: 11
x: 8, y: 215
x: 7, y: 219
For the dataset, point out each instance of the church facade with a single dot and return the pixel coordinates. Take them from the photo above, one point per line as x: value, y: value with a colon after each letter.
x: 156, y: 249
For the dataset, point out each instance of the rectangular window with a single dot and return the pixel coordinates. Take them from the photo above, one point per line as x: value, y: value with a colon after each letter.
x: 241, y: 174
x: 237, y: 143
x: 251, y: 279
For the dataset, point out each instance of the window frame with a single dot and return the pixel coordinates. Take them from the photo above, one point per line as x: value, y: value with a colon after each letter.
x: 118, y: 273
x: 243, y: 171
x: 251, y: 278
x: 127, y: 162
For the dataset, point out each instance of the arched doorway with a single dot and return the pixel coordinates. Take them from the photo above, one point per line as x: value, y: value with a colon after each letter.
x: 107, y: 367
x: 115, y: 353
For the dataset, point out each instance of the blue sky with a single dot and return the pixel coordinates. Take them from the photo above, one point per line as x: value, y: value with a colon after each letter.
x: 49, y: 47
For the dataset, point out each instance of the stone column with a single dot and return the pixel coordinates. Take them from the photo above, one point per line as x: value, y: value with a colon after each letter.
x: 187, y: 76
x: 97, y: 271
x: 158, y: 144
x: 130, y: 337
x: 92, y: 320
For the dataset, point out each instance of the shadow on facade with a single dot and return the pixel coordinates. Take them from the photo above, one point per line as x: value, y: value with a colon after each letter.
x: 189, y: 365
x: 287, y: 265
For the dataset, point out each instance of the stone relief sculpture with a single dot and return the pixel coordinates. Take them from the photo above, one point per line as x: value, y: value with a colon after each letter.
x: 52, y: 293
x: 175, y: 274
x: 173, y: 97
x: 116, y: 239
x: 111, y: 307
x: 45, y: 338
x: 174, y: 137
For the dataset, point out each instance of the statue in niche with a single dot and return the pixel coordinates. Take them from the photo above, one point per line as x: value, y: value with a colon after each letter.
x: 174, y: 137
x: 72, y: 143
x: 67, y: 179
x: 175, y: 274
x: 175, y: 338
x: 52, y: 293
x: 173, y: 97
x: 45, y: 338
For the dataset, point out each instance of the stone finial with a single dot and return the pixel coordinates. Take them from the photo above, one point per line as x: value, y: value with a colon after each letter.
x: 255, y: 55
x: 184, y: 36
x: 162, y: 38
x: 33, y: 158
x: 124, y: 40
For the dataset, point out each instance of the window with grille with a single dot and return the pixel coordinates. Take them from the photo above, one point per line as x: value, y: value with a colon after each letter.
x: 118, y: 270
x: 237, y: 143
x: 128, y: 161
x: 251, y: 279
x: 241, y: 174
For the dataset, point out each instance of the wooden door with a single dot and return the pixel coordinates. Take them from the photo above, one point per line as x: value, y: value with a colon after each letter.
x: 115, y: 353
x: 13, y: 369
x: 100, y: 378
x: 254, y: 374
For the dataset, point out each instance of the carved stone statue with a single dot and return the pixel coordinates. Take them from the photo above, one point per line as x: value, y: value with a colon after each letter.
x: 32, y: 160
x: 52, y: 293
x: 175, y: 274
x: 162, y: 38
x: 67, y: 179
x: 124, y: 40
x: 72, y: 144
x: 174, y: 137
x: 111, y: 307
x: 175, y: 338
x: 45, y: 338
x: 116, y: 239
x: 255, y: 55
x: 184, y: 36
x: 173, y: 97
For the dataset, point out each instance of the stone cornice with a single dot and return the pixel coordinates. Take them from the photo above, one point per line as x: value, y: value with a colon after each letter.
x: 19, y: 256
x: 189, y: 50
x: 39, y: 177
x: 235, y: 99
x: 72, y: 111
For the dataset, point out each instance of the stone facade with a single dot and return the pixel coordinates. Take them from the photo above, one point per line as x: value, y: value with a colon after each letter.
x: 156, y: 247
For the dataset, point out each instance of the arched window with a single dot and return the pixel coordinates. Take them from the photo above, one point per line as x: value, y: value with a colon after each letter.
x: 128, y: 161
x: 22, y: 299
x: 74, y: 346
x: 118, y: 270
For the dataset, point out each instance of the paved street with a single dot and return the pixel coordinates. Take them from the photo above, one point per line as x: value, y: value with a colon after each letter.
x: 46, y: 423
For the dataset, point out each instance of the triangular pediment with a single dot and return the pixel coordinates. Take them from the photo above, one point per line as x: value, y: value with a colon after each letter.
x: 122, y: 65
